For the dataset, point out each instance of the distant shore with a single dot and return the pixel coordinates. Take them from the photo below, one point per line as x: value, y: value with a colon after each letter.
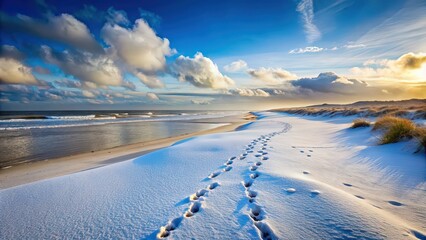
x: 40, y: 170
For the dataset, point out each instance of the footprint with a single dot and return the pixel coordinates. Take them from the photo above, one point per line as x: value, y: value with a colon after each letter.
x: 229, y: 162
x: 214, y: 174
x: 265, y: 158
x: 213, y: 185
x: 264, y: 153
x: 258, y: 163
x: 253, y: 168
x: 395, y: 203
x: 198, y: 194
x: 227, y: 169
x: 347, y: 184
x: 251, y: 195
x: 315, y: 192
x: 266, y: 232
x: 194, y: 208
x: 291, y: 190
x: 254, y: 175
x: 306, y: 172
x: 308, y: 155
x: 302, y: 151
x: 247, y: 183
x: 256, y: 213
x: 242, y: 158
x: 169, y: 227
x: 232, y: 158
x: 311, y: 150
x: 360, y: 197
x: 258, y: 155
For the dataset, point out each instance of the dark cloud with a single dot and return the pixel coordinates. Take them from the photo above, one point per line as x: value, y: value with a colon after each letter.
x: 8, y: 51
x: 331, y: 83
x: 63, y: 28
x: 87, y: 67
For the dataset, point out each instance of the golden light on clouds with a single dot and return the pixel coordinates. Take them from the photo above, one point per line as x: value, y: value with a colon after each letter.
x: 408, y: 67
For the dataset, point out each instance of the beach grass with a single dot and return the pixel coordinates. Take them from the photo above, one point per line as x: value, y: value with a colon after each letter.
x: 360, y: 122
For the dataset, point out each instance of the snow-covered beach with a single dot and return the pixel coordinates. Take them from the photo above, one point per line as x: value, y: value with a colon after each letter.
x: 280, y: 177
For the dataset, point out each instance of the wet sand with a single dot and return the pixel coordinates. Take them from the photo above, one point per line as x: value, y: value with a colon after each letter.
x: 40, y: 170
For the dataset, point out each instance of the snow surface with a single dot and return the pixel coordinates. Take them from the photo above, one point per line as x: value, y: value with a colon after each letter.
x: 281, y: 177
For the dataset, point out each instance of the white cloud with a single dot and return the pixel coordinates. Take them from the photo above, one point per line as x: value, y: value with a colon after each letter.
x: 410, y: 66
x: 88, y: 94
x: 152, y: 96
x: 87, y: 67
x: 201, y: 72
x: 246, y: 92
x: 201, y: 102
x: 149, y: 81
x: 14, y: 72
x: 63, y: 28
x: 139, y: 47
x: 350, y: 46
x: 306, y: 8
x: 236, y: 66
x: 271, y: 75
x: 311, y: 49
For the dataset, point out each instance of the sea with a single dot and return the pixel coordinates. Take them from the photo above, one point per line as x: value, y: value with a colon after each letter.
x: 42, y: 135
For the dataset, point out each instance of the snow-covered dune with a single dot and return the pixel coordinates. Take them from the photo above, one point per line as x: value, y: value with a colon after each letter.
x: 281, y: 177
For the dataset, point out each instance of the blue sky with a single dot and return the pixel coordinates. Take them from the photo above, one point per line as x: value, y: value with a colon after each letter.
x: 209, y: 54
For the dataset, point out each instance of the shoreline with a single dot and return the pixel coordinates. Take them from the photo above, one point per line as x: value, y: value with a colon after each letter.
x: 51, y: 168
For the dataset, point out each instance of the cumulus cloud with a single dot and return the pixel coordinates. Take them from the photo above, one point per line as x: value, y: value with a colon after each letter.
x: 87, y: 67
x: 13, y: 71
x: 63, y: 28
x: 409, y: 66
x: 152, y: 96
x: 138, y: 47
x: 201, y: 72
x: 329, y: 82
x: 306, y: 8
x: 246, y: 92
x: 149, y: 81
x: 236, y: 66
x: 271, y: 75
x: 311, y: 49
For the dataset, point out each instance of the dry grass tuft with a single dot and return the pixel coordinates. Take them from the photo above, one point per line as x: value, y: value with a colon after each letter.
x: 395, y: 128
x: 360, y: 122
x: 420, y: 135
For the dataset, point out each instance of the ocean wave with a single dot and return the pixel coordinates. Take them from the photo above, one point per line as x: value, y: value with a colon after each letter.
x: 78, y: 121
x: 72, y: 117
